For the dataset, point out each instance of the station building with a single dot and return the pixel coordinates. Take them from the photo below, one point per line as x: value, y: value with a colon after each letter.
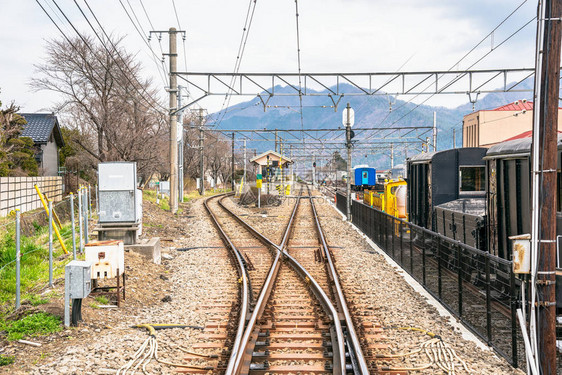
x: 486, y: 128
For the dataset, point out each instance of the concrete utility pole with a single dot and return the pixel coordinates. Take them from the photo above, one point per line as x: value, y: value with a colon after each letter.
x: 275, y: 140
x: 180, y: 146
x: 545, y: 135
x: 173, y: 122
x: 434, y: 131
x: 232, y: 166
x: 244, y: 161
x: 201, y: 163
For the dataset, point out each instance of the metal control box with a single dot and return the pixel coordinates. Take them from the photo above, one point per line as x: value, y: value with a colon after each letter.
x: 78, y: 281
x: 119, y: 201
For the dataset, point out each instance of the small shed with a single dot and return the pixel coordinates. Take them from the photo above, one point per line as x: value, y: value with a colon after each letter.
x: 44, y: 131
x: 272, y: 159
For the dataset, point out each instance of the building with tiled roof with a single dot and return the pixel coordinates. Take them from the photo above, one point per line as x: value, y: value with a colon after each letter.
x: 486, y: 128
x: 44, y: 130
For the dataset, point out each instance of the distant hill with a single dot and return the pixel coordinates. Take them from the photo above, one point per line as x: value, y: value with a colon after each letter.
x: 370, y: 111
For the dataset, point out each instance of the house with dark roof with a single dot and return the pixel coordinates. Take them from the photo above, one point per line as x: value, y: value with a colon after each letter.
x: 44, y: 130
x: 488, y: 127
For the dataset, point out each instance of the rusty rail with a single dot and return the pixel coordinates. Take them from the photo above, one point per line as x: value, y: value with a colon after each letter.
x: 240, y: 360
x: 353, y: 342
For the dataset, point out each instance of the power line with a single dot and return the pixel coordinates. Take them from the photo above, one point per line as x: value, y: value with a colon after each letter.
x: 241, y: 48
x: 144, y: 94
x: 299, y: 64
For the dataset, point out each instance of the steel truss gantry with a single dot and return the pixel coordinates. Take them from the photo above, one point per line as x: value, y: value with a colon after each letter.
x: 337, y: 85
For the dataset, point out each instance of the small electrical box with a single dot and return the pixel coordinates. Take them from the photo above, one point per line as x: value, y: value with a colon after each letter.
x: 107, y: 258
x: 521, y: 253
x: 78, y: 279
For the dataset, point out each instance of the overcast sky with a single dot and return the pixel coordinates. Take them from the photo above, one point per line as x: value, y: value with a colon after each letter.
x: 335, y: 36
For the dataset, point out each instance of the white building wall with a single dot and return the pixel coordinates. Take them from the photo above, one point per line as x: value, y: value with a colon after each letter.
x: 50, y: 161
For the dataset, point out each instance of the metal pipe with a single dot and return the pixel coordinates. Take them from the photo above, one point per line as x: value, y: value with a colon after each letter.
x: 18, y: 259
x: 50, y: 243
x: 72, y: 225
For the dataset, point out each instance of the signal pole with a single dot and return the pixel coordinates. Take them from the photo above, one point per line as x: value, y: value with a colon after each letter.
x: 348, y: 120
x: 434, y: 131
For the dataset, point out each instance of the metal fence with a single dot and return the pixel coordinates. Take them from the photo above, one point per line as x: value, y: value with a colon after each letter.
x: 475, y: 286
x: 14, y: 256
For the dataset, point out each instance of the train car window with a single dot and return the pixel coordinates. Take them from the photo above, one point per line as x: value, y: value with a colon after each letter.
x: 472, y: 178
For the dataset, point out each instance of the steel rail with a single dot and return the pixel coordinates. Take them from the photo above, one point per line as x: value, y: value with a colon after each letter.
x: 243, y: 273
x: 342, y: 304
x: 241, y: 363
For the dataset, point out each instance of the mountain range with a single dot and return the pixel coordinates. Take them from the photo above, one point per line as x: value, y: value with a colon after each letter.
x: 370, y: 111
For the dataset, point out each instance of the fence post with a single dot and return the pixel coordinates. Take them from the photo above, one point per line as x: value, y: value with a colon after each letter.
x: 389, y: 218
x: 411, y: 248
x: 50, y: 243
x: 460, y: 264
x: 401, y: 243
x: 90, y: 200
x: 423, y: 257
x: 72, y: 225
x: 85, y: 215
x: 18, y: 260
x: 513, y: 317
x: 79, y: 193
x: 488, y: 300
x: 439, y: 281
x: 97, y: 201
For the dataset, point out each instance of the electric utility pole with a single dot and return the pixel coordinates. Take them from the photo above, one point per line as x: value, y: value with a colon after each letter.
x: 244, y: 161
x: 173, y: 90
x: 201, y: 163
x: 232, y: 166
x: 545, y: 135
x: 173, y: 122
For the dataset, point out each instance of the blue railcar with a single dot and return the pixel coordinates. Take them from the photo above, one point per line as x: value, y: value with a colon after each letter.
x: 364, y: 177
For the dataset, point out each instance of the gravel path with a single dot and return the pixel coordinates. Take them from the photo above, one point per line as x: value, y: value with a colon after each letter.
x: 396, y: 303
x: 193, y: 283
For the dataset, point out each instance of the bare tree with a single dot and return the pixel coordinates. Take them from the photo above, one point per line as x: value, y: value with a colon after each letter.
x: 105, y: 98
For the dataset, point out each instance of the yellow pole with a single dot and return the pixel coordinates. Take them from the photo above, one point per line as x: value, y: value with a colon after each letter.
x: 54, y: 226
x: 42, y: 197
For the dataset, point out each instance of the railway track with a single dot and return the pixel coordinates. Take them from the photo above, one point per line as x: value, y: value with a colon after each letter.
x: 291, y: 316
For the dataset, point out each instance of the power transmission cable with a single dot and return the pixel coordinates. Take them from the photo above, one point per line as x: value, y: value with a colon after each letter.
x: 81, y: 37
x: 143, y: 37
x: 241, y: 48
x: 159, y: 40
x: 462, y: 58
x: 299, y: 65
x: 144, y: 94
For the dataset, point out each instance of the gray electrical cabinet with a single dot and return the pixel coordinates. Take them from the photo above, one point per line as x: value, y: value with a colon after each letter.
x: 78, y: 279
x: 119, y: 201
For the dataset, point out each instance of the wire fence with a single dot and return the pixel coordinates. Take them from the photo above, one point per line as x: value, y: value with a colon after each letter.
x: 478, y: 288
x: 29, y: 240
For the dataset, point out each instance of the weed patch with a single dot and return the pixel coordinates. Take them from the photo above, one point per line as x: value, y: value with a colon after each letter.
x: 31, y: 325
x: 6, y: 360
